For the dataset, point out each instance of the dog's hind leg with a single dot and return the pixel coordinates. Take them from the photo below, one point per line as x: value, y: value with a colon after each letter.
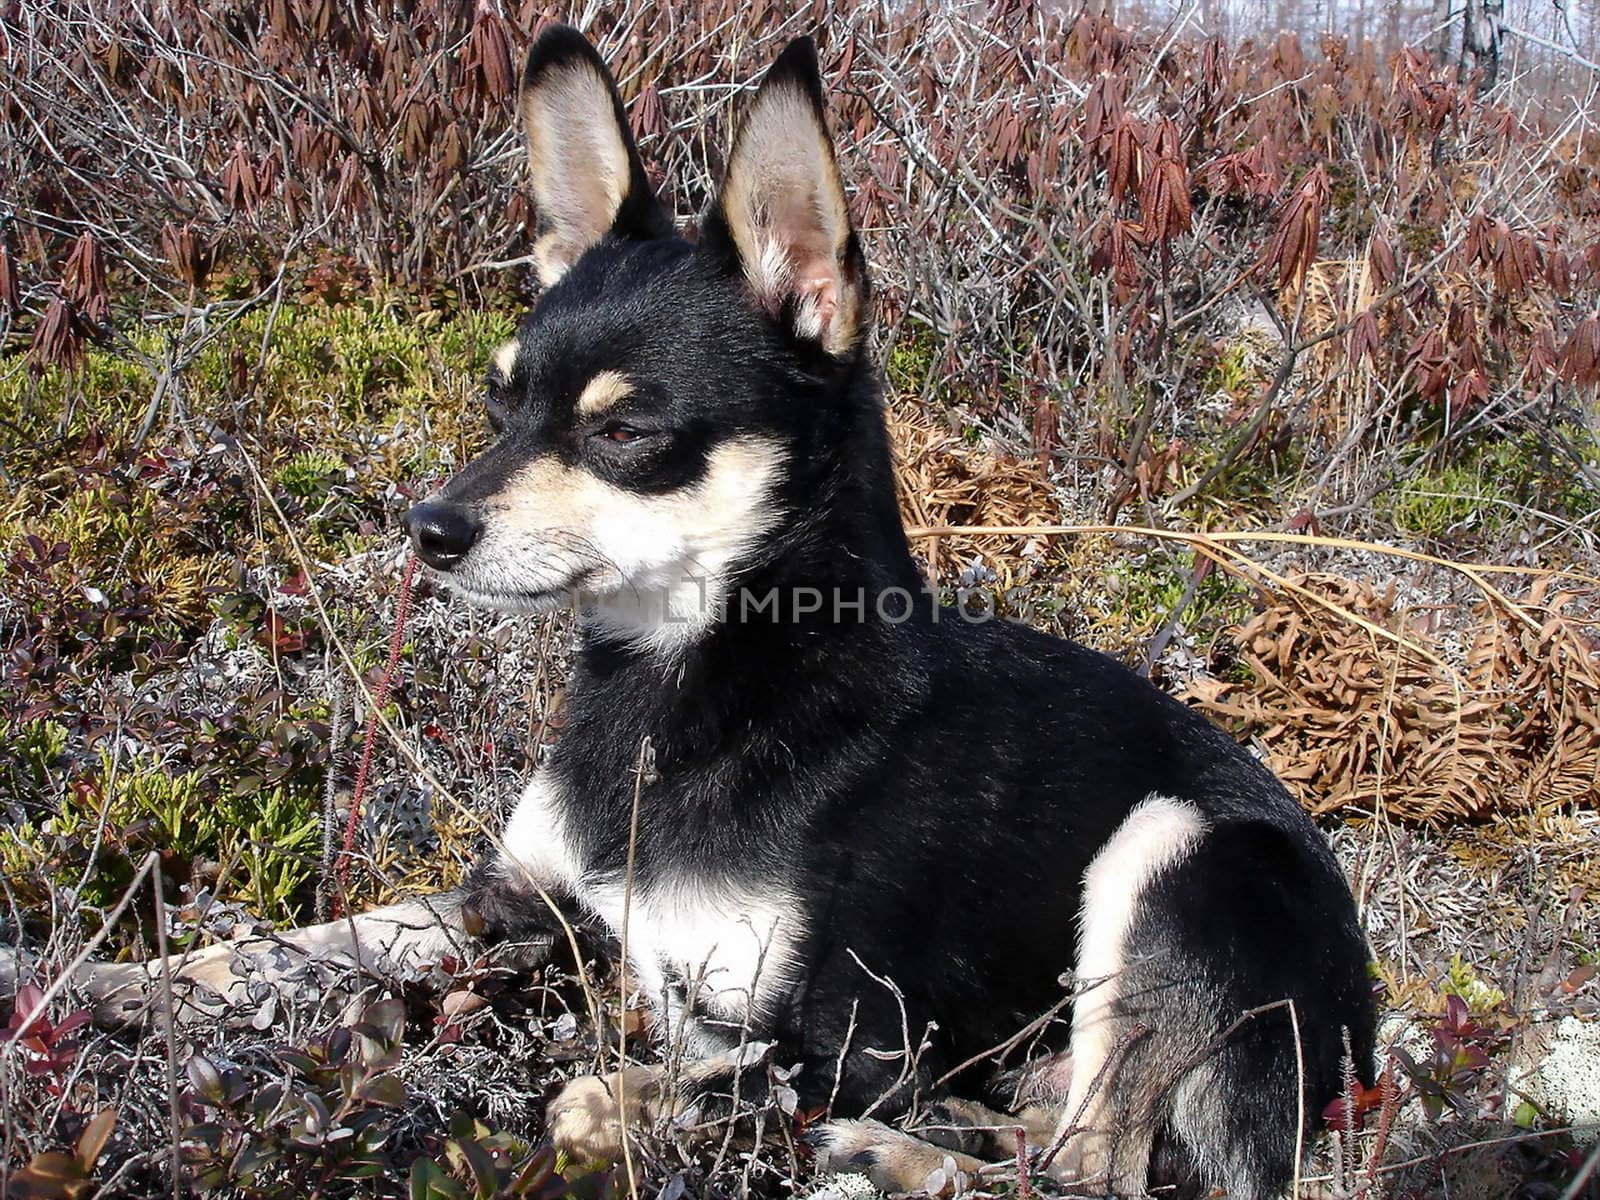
x: 1109, y: 1119
x: 894, y: 1160
x: 1220, y: 965
x: 1272, y: 1007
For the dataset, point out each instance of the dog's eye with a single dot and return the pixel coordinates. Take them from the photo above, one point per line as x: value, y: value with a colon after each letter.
x: 496, y: 412
x: 617, y: 431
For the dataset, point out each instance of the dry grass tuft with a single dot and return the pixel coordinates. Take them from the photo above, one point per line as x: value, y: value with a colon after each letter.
x: 944, y: 481
x: 1353, y: 722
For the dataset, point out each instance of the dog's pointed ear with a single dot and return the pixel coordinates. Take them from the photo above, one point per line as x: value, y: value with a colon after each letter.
x: 588, y: 181
x: 782, y: 217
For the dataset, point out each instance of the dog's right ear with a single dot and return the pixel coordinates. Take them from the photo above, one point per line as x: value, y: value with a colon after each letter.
x: 588, y: 181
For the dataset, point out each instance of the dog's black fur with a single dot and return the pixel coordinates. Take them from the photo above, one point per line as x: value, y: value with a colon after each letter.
x: 931, y: 789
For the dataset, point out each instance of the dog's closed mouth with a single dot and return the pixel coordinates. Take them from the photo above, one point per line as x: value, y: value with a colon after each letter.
x: 520, y: 600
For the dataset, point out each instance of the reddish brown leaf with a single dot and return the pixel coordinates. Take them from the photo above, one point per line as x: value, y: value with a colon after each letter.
x: 1579, y: 364
x: 10, y: 288
x: 1293, y: 247
x: 58, y: 337
x: 1364, y: 338
x: 84, y: 280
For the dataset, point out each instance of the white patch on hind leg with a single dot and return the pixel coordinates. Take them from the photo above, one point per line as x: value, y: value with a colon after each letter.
x: 1159, y: 833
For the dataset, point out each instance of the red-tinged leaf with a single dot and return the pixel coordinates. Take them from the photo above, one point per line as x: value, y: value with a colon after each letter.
x: 1541, y: 362
x: 1364, y: 338
x: 240, y: 188
x: 58, y: 336
x: 84, y: 280
x: 1380, y: 261
x: 491, y: 50
x: 92, y: 1141
x: 1579, y: 977
x: 190, y: 255
x: 1293, y: 247
x: 1579, y: 364
x: 1304, y: 521
x: 1164, y: 200
x: 1557, y: 272
x: 1123, y: 166
x: 1102, y: 108
x: 649, y: 114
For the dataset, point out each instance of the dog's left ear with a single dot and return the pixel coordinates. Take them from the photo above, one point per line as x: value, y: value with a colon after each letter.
x: 782, y: 217
x: 588, y: 180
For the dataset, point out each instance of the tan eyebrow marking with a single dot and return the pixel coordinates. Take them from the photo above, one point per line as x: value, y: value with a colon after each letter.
x: 601, y: 392
x: 505, y: 358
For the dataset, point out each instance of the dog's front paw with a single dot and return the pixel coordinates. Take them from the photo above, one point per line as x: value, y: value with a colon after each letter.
x: 586, y: 1120
x: 892, y: 1160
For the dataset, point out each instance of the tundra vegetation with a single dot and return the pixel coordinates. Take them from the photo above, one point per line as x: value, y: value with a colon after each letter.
x: 1268, y: 365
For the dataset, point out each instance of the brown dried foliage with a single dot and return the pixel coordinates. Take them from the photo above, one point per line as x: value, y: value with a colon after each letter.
x: 943, y: 481
x: 1354, y: 722
x: 1293, y: 247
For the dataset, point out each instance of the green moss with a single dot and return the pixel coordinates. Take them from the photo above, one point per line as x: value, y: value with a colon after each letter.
x: 1450, y: 502
x: 1154, y: 584
x: 911, y: 359
x: 1492, y: 484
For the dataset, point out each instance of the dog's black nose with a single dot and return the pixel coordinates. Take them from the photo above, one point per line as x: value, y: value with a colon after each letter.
x: 441, y: 532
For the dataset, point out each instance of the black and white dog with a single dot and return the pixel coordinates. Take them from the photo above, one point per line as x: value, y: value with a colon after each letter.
x: 874, y: 835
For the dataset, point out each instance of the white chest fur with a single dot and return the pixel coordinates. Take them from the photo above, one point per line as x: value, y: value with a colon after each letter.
x: 728, y: 949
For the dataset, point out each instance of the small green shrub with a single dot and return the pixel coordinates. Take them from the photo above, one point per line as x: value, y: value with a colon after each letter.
x: 34, y: 750
x: 1155, y: 583
x: 310, y: 475
x: 1493, y: 485
x: 1451, y: 502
